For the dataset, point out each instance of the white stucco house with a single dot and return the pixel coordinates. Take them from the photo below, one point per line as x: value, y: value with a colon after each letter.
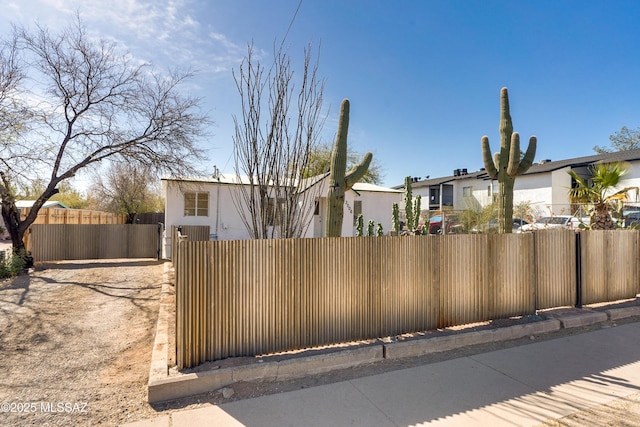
x: 544, y: 186
x: 213, y: 201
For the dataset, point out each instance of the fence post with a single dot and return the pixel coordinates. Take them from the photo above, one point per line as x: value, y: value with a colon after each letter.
x: 578, y: 271
x: 534, y: 271
x: 160, y: 233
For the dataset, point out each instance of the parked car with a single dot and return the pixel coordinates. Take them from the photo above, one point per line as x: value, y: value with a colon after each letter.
x: 492, y: 227
x: 453, y: 225
x: 556, y: 221
x: 631, y: 217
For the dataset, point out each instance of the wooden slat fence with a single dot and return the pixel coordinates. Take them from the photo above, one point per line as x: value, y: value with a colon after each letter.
x: 242, y: 298
x: 74, y: 216
x: 53, y: 242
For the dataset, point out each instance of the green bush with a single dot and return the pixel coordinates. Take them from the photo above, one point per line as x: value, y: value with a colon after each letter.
x: 12, y: 265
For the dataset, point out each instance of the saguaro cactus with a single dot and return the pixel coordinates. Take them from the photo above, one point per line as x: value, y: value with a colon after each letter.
x: 507, y: 164
x: 339, y: 180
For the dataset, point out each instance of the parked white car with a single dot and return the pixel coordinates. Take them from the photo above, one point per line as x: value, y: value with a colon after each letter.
x: 556, y: 221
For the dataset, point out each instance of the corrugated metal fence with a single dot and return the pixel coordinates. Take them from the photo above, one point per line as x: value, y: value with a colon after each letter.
x: 189, y: 233
x: 242, y: 298
x: 52, y: 242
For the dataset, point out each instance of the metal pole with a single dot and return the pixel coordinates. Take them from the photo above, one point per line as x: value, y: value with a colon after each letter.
x: 443, y: 228
x: 578, y: 271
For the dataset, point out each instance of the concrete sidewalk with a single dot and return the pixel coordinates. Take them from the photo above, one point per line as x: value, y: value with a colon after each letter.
x: 518, y: 386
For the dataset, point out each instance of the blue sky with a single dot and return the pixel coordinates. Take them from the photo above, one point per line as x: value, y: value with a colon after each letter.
x: 423, y: 77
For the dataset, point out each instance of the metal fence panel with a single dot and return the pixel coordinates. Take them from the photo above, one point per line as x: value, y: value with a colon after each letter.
x: 555, y: 268
x: 610, y: 268
x: 54, y: 242
x: 250, y: 297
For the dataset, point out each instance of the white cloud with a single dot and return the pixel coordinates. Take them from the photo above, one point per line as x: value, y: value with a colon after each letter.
x: 164, y: 32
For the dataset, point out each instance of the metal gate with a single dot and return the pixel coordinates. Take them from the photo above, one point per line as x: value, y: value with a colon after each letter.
x: 55, y: 242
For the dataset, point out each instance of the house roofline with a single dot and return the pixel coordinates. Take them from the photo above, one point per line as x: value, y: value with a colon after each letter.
x: 540, y: 167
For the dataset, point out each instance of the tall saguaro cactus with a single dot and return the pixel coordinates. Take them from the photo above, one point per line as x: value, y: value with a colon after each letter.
x: 507, y: 164
x: 339, y: 180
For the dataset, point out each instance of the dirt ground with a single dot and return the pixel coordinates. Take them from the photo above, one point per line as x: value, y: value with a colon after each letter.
x: 76, y: 340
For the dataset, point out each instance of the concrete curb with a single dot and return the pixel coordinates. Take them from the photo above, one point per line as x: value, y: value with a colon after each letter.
x: 159, y: 369
x: 163, y: 387
x: 583, y: 319
x: 398, y: 350
x: 183, y: 385
x: 621, y: 313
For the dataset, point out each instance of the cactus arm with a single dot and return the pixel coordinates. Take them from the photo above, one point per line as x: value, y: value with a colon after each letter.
x: 506, y: 125
x: 529, y: 156
x: 489, y: 162
x: 514, y: 155
x: 357, y: 172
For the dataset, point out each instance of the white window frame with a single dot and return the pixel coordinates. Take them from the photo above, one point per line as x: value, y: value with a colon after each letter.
x: 200, y: 203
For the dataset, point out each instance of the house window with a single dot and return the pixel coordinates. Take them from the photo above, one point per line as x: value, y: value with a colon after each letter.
x: 434, y: 195
x: 357, y: 210
x: 466, y: 191
x: 196, y: 204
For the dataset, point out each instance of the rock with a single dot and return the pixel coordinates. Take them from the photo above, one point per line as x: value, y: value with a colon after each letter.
x: 227, y: 392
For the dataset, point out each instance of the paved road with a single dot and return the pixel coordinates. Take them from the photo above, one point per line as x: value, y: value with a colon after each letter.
x: 518, y: 386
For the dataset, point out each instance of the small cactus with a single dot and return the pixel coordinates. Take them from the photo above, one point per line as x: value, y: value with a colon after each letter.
x: 412, y: 210
x: 507, y: 164
x: 359, y: 226
x: 395, y: 218
x: 379, y: 230
x: 371, y: 228
x: 339, y: 180
x: 408, y: 203
x: 416, y: 212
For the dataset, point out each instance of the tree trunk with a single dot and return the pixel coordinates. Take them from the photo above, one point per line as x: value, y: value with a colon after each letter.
x: 601, y: 219
x: 131, y: 217
x: 11, y: 218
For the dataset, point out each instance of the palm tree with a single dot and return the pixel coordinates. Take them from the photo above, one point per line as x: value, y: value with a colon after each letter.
x: 597, y: 191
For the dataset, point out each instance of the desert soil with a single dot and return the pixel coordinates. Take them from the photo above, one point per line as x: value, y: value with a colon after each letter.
x: 76, y: 340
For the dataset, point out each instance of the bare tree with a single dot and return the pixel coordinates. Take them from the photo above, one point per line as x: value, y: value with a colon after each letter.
x: 626, y: 139
x: 273, y: 142
x: 90, y: 103
x: 127, y: 188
